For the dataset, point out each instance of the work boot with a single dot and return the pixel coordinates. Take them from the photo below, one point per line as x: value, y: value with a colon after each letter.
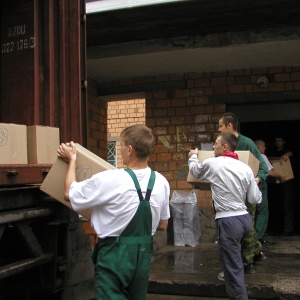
x: 248, y: 269
x: 259, y: 257
x: 221, y: 276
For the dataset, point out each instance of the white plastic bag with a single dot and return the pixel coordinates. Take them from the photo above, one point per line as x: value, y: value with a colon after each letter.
x: 186, y: 219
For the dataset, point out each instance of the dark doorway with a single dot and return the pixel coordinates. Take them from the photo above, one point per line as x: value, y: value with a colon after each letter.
x: 267, y: 131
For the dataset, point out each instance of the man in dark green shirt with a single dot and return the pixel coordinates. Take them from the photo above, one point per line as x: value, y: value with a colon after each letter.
x: 251, y: 250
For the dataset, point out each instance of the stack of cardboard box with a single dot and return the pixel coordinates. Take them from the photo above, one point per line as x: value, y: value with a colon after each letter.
x: 21, y: 144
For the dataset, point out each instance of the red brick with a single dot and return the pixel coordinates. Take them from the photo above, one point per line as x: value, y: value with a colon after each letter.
x: 184, y: 111
x: 218, y: 81
x: 178, y: 102
x: 200, y: 100
x: 161, y: 78
x: 162, y: 94
x: 163, y: 121
x: 150, y: 122
x: 230, y: 80
x: 164, y: 156
x: 241, y: 79
x: 159, y: 147
x: 289, y: 86
x: 208, y: 91
x: 275, y: 70
x: 222, y: 89
x: 190, y: 84
x: 142, y: 80
x: 178, y: 120
x: 195, y: 75
x: 235, y: 72
x: 160, y: 130
x: 297, y: 85
x: 174, y: 77
x: 198, y: 110
x: 276, y: 86
x: 160, y: 113
x: 248, y: 88
x: 282, y: 77
x: 182, y: 93
x: 202, y: 82
x: 259, y: 70
x: 196, y: 92
x: 220, y: 108
x: 236, y: 88
x: 183, y: 184
x: 171, y: 111
x: 163, y: 103
x: 161, y: 166
x: 295, y: 76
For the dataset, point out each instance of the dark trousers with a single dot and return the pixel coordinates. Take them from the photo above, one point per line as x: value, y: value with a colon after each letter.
x: 282, y: 206
x: 230, y: 232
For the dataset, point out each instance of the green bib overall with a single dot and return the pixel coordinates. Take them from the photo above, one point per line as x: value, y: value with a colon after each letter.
x: 122, y: 263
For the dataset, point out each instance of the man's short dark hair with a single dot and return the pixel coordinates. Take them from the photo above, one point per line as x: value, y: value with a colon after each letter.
x: 231, y: 118
x: 230, y: 139
x: 140, y: 137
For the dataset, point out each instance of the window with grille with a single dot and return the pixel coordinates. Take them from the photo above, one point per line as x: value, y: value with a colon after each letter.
x: 112, y: 153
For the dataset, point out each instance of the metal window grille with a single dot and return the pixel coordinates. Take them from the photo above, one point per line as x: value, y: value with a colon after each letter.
x: 112, y: 153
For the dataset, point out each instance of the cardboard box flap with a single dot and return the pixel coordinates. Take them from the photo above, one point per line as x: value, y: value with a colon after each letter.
x: 87, y: 164
x: 42, y: 144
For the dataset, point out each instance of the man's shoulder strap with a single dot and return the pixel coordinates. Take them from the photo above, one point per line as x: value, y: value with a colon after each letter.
x: 137, y: 185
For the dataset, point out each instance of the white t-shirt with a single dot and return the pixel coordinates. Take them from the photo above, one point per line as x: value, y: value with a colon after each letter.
x: 232, y: 182
x: 114, y: 199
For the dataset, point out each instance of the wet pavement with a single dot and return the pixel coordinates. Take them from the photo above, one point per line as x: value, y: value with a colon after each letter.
x: 182, y: 273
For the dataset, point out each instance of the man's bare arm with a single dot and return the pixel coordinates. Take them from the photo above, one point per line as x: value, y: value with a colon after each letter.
x: 163, y: 225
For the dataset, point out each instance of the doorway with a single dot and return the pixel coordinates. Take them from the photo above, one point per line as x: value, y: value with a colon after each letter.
x: 265, y: 121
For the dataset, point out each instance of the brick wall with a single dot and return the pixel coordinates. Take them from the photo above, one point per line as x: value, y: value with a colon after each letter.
x: 122, y: 114
x: 184, y: 109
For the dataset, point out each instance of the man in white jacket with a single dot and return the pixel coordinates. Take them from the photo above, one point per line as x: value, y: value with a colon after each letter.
x: 232, y: 184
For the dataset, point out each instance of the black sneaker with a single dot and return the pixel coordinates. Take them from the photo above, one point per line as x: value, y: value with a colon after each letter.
x: 260, y: 256
x: 248, y: 269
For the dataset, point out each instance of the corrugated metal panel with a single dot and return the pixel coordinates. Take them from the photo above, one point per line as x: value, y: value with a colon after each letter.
x: 43, y: 65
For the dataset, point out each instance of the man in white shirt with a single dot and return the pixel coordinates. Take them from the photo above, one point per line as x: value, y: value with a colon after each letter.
x: 128, y: 206
x: 232, y: 184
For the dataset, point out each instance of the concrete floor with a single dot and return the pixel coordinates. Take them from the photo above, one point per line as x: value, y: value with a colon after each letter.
x: 183, y: 273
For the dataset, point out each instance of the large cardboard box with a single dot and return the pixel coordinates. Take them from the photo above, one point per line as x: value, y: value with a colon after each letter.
x: 245, y: 156
x: 42, y: 144
x: 13, y: 144
x: 281, y: 167
x: 87, y: 164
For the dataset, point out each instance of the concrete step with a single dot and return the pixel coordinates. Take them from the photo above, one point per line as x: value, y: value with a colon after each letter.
x: 191, y: 272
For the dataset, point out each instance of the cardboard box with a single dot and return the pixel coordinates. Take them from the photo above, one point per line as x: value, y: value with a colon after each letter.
x: 42, y: 144
x: 281, y: 167
x: 245, y: 156
x: 87, y: 164
x: 13, y: 144
x: 201, y: 184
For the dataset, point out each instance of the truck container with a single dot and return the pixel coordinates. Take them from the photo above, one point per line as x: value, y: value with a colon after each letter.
x: 44, y: 250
